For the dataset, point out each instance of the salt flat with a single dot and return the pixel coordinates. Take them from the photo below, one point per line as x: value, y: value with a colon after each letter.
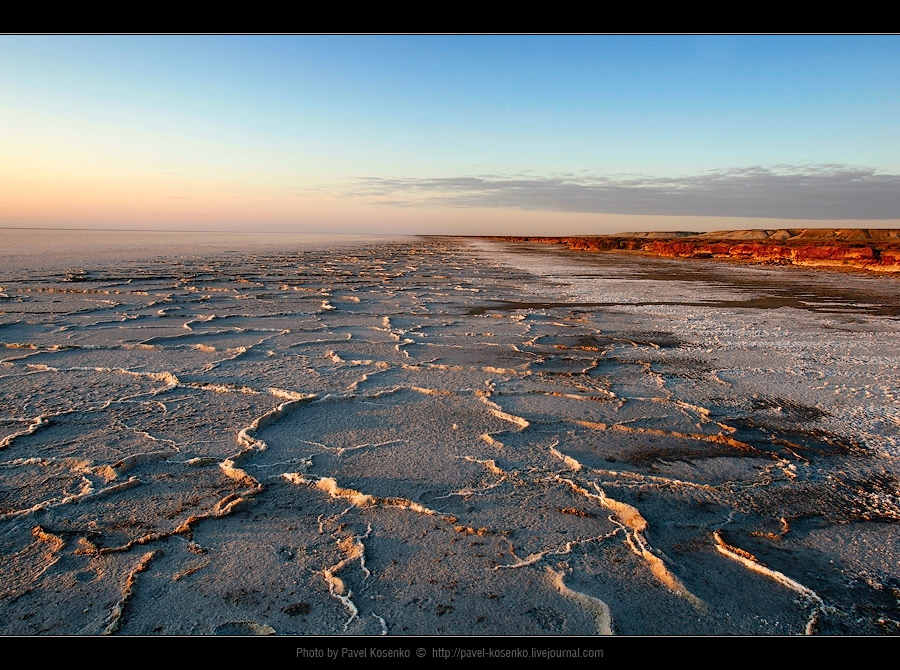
x: 446, y: 436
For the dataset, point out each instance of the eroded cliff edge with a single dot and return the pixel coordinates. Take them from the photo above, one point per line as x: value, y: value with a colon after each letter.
x: 876, y: 250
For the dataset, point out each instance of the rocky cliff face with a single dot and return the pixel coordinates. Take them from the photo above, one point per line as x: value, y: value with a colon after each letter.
x: 867, y: 249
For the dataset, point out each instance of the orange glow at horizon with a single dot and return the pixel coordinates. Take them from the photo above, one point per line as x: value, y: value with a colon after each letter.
x: 66, y: 197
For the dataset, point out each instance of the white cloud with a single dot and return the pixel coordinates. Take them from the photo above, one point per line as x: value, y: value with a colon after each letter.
x: 829, y: 192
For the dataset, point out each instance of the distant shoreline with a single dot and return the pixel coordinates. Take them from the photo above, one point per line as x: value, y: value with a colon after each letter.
x: 872, y: 250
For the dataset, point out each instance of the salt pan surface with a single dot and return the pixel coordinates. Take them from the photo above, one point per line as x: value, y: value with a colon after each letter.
x: 447, y: 436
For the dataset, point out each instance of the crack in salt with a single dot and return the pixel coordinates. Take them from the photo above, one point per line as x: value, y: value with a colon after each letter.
x: 750, y: 562
x: 631, y: 517
x: 599, y: 609
x: 114, y: 620
x: 353, y: 549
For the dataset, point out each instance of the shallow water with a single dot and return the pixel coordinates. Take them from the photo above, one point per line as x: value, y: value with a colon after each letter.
x: 445, y: 436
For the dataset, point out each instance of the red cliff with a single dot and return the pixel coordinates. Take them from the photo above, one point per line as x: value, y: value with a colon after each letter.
x: 875, y: 250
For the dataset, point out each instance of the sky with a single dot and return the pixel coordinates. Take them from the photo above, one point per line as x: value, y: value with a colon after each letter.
x: 449, y: 134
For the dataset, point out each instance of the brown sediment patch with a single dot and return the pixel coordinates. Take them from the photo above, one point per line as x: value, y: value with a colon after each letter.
x: 513, y: 305
x: 795, y: 286
x: 648, y: 456
x: 785, y: 437
x: 576, y: 512
x: 243, y: 628
x: 859, y: 304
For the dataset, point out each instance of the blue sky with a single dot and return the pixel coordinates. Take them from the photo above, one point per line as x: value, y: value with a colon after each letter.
x: 450, y: 134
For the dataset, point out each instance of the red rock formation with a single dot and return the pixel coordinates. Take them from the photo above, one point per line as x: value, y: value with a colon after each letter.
x: 875, y: 250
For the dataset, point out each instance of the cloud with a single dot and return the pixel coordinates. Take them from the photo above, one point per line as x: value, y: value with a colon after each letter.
x: 783, y: 191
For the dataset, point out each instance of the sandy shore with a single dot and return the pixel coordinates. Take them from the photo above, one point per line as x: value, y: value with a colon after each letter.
x: 427, y: 437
